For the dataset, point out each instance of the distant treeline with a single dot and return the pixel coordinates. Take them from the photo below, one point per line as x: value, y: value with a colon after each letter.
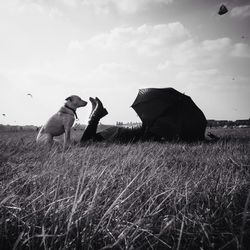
x: 128, y: 124
x: 78, y: 126
x: 226, y: 123
x: 18, y: 128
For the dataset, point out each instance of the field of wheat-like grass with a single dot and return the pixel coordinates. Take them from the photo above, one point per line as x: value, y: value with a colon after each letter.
x: 144, y: 195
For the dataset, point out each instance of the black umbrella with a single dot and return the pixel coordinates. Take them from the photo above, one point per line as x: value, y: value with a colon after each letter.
x: 169, y: 114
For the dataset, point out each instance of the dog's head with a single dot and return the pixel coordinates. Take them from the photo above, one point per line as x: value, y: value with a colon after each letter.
x: 75, y: 101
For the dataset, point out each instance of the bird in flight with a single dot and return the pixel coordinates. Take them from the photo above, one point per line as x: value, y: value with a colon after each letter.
x: 223, y: 10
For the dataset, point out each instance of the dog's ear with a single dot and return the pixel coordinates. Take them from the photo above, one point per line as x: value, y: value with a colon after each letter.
x: 69, y: 99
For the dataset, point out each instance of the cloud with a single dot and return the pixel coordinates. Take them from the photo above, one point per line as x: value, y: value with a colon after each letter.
x: 170, y: 40
x: 101, y: 6
x: 50, y: 8
x: 196, y: 75
x: 163, y: 65
x: 123, y: 6
x: 241, y: 11
x: 75, y: 45
x: 170, y: 46
x: 147, y: 40
x: 53, y: 8
x: 241, y: 50
x: 113, y: 75
x: 193, y: 53
x: 111, y: 69
x: 68, y: 3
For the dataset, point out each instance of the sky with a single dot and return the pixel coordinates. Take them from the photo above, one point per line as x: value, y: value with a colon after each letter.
x: 111, y: 48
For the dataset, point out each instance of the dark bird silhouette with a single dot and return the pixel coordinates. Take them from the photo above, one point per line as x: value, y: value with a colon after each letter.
x: 223, y: 10
x: 30, y: 95
x: 3, y: 114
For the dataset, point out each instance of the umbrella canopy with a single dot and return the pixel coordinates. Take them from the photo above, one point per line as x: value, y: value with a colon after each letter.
x: 169, y: 114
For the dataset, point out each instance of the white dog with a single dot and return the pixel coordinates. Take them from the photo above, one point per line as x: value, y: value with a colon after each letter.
x: 61, y: 122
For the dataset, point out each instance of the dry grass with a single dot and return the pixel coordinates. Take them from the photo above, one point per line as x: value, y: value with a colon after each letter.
x: 125, y: 196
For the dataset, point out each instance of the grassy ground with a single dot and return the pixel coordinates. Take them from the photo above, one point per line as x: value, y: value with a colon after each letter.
x: 125, y: 196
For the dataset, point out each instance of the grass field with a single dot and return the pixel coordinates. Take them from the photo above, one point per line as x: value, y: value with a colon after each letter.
x: 125, y: 196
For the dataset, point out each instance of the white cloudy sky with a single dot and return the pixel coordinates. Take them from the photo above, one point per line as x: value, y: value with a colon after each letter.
x: 111, y: 48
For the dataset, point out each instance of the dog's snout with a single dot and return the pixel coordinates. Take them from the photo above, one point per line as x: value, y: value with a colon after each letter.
x: 84, y: 103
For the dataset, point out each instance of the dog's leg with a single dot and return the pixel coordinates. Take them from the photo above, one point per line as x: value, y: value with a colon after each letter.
x: 45, y: 138
x: 49, y: 139
x: 66, y: 138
